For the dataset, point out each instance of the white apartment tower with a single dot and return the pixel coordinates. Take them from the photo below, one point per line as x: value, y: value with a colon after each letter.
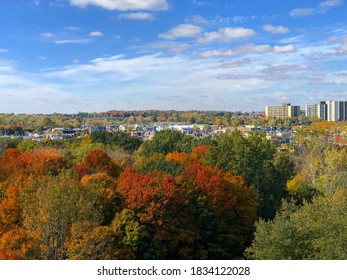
x: 331, y: 111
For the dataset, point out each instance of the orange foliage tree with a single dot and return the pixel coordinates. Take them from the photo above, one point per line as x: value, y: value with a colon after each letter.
x: 98, y: 161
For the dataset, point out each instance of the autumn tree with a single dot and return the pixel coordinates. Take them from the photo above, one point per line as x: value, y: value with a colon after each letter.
x: 92, y: 242
x: 10, y: 211
x: 151, y: 154
x: 98, y: 161
x: 105, y: 197
x: 162, y: 207
x: 224, y: 210
x: 202, y: 212
x: 51, y: 205
x: 18, y: 244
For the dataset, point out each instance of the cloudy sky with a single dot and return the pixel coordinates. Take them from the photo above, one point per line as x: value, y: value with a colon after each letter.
x: 97, y: 55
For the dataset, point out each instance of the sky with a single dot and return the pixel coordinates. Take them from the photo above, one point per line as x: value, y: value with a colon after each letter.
x: 70, y: 56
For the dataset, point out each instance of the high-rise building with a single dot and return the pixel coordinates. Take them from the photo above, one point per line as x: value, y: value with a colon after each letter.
x: 311, y: 110
x: 329, y: 111
x: 285, y: 110
x: 319, y: 110
x: 333, y: 111
x: 343, y: 110
x: 322, y: 111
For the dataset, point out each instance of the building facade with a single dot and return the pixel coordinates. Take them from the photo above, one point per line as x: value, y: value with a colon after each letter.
x: 331, y: 111
x: 283, y: 111
x: 311, y: 110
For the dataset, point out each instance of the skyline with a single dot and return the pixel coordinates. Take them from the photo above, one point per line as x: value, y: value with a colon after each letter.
x: 91, y: 56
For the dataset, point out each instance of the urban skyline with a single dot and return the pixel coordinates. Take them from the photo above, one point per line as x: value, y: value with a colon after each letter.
x: 87, y: 55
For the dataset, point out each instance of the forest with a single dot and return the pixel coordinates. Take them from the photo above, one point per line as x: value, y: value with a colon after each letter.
x: 113, y: 196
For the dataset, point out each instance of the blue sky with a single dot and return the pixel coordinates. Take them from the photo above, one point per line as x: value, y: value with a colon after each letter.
x: 97, y: 55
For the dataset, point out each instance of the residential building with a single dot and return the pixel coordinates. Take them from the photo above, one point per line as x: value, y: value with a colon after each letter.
x: 322, y: 111
x: 283, y: 111
x: 311, y: 110
x: 331, y: 111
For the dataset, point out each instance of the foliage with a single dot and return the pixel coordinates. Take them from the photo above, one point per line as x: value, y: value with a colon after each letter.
x: 151, y: 154
x: 116, y: 140
x: 255, y: 159
x: 203, y: 212
x: 106, y: 199
x: 46, y: 219
x: 317, y: 230
x: 98, y: 161
x: 42, y: 161
x: 92, y: 242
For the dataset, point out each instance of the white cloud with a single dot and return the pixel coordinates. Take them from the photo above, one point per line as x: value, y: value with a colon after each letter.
x: 330, y: 3
x: 254, y: 49
x: 3, y: 51
x: 284, y: 68
x: 123, y: 5
x: 154, y: 81
x: 302, y: 12
x: 181, y: 31
x: 344, y: 47
x: 249, y: 48
x: 284, y: 49
x: 226, y: 34
x: 96, y: 34
x: 72, y: 28
x: 217, y: 53
x: 74, y: 41
x: 197, y: 19
x: 239, y: 19
x: 137, y: 16
x: 275, y: 29
x: 323, y: 7
x: 47, y: 35
x: 169, y: 46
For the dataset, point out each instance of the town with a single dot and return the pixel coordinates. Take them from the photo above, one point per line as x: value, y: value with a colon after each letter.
x: 279, y: 123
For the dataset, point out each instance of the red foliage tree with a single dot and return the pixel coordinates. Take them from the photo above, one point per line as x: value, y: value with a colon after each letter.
x: 161, y: 204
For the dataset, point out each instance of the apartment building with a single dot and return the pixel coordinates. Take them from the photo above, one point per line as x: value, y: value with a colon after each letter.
x: 331, y: 111
x: 283, y: 111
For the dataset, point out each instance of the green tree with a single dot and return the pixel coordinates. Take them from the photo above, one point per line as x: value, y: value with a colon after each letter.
x: 256, y: 160
x: 317, y: 230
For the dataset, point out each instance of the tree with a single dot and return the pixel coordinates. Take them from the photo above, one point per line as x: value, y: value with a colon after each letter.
x: 18, y: 244
x: 116, y: 140
x: 224, y: 211
x: 106, y: 198
x: 316, y: 230
x: 131, y: 233
x: 162, y: 207
x: 256, y: 160
x: 10, y: 211
x: 98, y: 161
x: 165, y: 142
x: 92, y: 242
x: 46, y: 219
